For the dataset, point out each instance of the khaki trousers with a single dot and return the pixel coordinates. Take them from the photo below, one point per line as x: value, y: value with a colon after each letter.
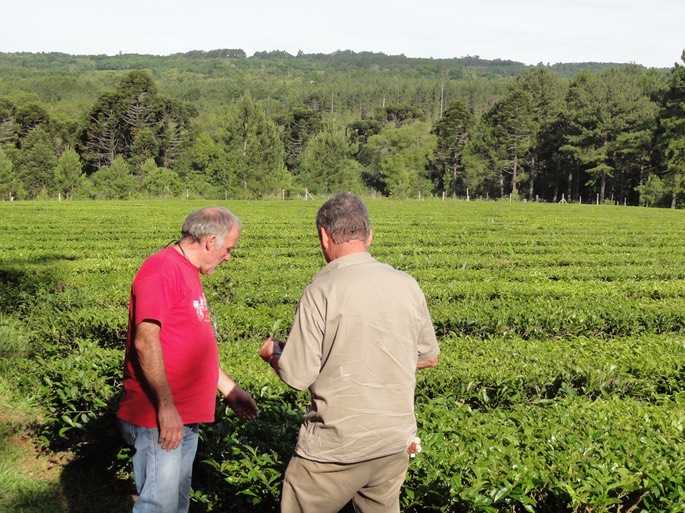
x: 373, y: 486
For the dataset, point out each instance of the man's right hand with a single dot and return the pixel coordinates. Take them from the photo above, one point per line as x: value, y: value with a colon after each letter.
x: 170, y: 427
x: 151, y: 359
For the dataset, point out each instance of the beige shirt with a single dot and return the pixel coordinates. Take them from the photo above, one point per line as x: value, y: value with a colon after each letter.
x: 359, y: 330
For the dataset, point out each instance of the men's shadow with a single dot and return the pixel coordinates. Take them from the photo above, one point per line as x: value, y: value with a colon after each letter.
x: 90, y: 480
x: 19, y: 288
x: 234, y: 459
x: 97, y: 477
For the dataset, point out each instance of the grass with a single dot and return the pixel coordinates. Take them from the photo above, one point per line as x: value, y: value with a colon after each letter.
x: 30, y: 479
x: 34, y: 480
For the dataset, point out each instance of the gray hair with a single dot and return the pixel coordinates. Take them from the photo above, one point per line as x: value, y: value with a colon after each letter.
x: 345, y: 218
x: 218, y: 221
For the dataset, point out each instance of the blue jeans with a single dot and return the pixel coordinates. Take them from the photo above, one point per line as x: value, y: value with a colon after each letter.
x: 162, y: 477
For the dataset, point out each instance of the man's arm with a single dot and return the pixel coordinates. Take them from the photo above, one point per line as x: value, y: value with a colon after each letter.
x: 240, y: 401
x: 149, y: 349
x: 270, y: 352
x: 428, y: 363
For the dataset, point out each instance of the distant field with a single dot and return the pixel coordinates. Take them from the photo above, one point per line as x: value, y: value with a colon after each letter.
x: 562, y: 328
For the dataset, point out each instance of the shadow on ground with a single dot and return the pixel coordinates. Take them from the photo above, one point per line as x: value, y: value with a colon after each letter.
x: 96, y: 479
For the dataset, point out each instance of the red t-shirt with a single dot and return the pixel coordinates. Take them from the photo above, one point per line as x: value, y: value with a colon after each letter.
x: 168, y: 290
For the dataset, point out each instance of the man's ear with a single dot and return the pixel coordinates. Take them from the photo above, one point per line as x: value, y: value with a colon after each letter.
x: 369, y: 240
x: 209, y: 242
x: 324, y: 238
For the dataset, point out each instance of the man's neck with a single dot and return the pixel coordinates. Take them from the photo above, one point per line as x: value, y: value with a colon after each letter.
x: 189, y: 251
x: 347, y: 248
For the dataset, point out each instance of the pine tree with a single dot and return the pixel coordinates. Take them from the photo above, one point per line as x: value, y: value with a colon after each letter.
x: 9, y: 184
x: 326, y: 165
x: 68, y: 173
x: 136, y: 123
x: 401, y: 157
x: 452, y: 132
x: 36, y: 161
x: 253, y: 151
x: 671, y: 132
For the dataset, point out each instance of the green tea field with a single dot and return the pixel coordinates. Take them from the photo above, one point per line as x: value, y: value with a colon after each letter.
x: 560, y: 388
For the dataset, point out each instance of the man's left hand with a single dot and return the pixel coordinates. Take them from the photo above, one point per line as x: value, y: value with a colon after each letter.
x: 242, y: 404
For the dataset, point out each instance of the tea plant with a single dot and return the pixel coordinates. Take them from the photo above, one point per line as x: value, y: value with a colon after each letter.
x: 560, y: 383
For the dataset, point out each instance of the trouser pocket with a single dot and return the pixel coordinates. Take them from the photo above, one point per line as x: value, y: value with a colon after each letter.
x: 128, y: 432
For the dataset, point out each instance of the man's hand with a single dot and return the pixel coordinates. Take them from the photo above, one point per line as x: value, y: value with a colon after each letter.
x: 414, y: 447
x: 242, y: 404
x: 426, y: 364
x: 170, y: 427
x: 151, y: 359
x: 270, y: 351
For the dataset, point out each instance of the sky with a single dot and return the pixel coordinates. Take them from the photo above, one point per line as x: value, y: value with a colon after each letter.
x: 650, y: 33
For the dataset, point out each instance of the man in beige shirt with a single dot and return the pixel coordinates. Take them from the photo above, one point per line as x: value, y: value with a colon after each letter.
x: 361, y: 330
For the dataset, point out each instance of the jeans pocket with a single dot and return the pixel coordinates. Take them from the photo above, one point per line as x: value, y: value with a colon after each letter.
x: 128, y: 432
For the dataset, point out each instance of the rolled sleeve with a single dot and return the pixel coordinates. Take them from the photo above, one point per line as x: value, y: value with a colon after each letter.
x: 300, y: 362
x: 427, y: 345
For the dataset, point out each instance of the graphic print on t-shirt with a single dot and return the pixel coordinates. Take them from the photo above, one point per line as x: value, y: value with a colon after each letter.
x: 202, y: 309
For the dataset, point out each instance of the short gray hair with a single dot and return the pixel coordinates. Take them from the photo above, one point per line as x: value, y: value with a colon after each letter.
x: 345, y: 218
x: 218, y: 221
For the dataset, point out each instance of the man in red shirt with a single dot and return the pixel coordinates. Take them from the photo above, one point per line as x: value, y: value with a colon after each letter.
x: 171, y: 368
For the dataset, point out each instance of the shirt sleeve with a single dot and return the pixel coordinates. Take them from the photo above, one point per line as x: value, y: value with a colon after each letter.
x: 151, y: 294
x: 300, y: 362
x: 428, y: 344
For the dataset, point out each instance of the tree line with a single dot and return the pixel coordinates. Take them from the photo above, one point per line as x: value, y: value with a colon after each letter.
x: 221, y: 125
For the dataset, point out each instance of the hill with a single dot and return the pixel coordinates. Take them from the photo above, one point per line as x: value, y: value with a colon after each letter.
x: 222, y: 60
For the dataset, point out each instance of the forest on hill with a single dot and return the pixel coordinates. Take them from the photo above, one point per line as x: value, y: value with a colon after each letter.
x: 220, y: 124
